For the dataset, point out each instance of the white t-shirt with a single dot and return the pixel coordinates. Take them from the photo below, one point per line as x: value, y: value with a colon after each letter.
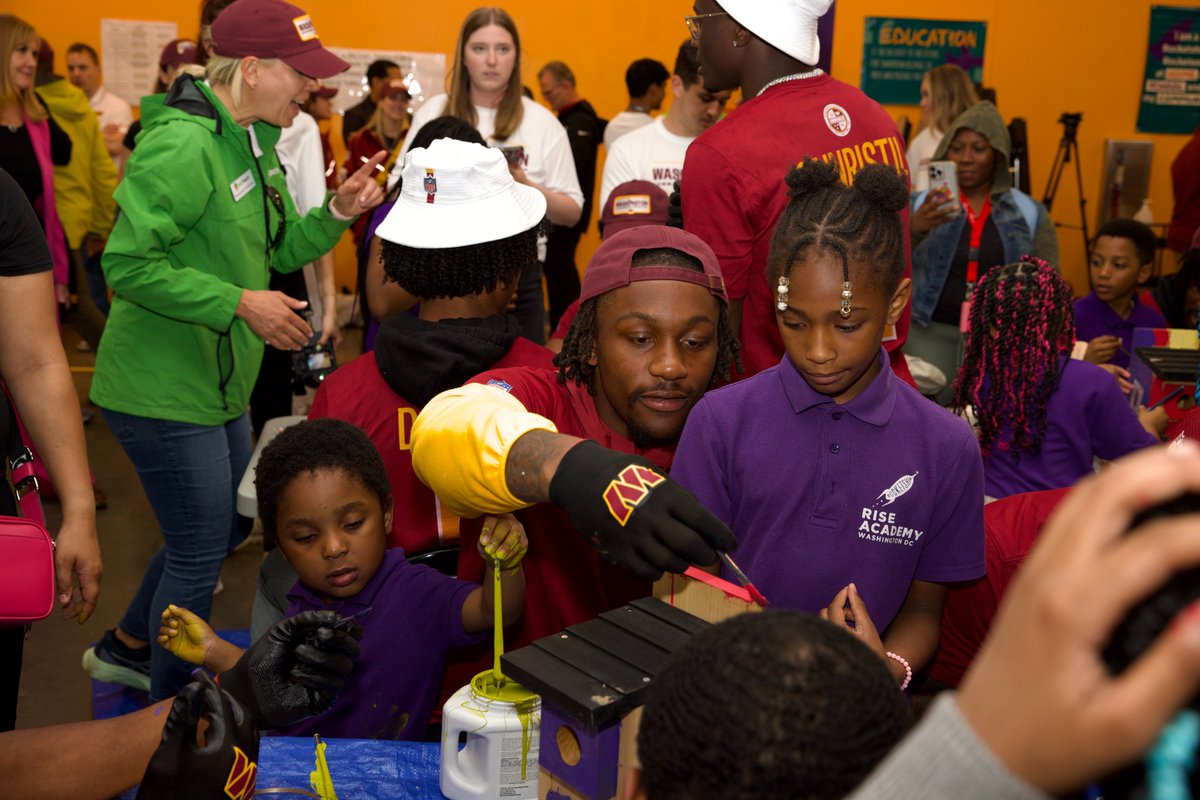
x: 623, y: 123
x: 650, y: 153
x: 548, y: 159
x: 920, y: 153
x: 303, y: 160
x: 111, y: 110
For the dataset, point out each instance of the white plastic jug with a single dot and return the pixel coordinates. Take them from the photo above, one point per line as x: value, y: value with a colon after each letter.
x: 500, y: 759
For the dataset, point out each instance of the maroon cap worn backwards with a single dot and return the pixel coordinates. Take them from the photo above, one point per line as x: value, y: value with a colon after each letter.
x: 610, y: 268
x: 178, y: 52
x: 634, y: 203
x: 274, y: 29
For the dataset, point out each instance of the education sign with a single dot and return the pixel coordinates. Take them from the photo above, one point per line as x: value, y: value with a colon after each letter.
x: 1170, y: 101
x: 898, y: 52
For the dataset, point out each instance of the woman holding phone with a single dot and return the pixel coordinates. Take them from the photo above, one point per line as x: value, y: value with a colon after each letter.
x: 485, y: 91
x: 957, y: 239
x: 205, y: 215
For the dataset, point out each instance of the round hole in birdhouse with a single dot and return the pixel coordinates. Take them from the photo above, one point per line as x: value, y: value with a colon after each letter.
x: 568, y: 746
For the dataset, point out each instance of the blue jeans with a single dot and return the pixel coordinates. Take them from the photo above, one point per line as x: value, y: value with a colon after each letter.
x: 190, y: 475
x: 96, y: 285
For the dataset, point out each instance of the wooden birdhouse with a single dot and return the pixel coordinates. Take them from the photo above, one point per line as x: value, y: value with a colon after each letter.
x: 593, y: 676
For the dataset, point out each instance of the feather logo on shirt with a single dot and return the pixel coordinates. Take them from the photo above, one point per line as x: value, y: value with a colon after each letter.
x: 895, y: 491
x: 627, y: 491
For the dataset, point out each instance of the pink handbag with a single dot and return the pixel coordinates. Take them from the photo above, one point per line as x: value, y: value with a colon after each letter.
x: 26, y: 549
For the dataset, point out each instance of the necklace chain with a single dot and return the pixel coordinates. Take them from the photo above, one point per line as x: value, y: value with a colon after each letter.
x: 796, y: 76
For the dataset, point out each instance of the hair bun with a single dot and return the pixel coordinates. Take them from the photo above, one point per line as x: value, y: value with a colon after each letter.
x: 882, y: 186
x: 812, y: 175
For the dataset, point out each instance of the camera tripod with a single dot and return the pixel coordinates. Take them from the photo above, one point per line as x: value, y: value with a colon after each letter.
x: 1068, y: 146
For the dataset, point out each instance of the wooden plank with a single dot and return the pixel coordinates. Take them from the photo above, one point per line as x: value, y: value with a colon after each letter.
x: 585, y: 700
x: 671, y: 614
x: 646, y: 656
x: 603, y: 667
x: 699, y: 599
x: 648, y: 627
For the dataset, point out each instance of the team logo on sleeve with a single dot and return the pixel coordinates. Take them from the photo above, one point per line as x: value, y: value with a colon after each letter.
x: 243, y: 777
x: 627, y: 491
x: 895, y: 491
x: 837, y: 119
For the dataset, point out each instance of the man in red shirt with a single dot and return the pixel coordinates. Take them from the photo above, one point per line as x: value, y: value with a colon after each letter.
x: 733, y: 190
x: 588, y: 447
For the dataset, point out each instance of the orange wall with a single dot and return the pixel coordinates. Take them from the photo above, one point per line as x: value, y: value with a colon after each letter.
x: 1043, y: 58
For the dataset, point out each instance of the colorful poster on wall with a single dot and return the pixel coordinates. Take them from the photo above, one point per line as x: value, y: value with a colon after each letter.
x: 424, y: 74
x: 129, y: 53
x: 898, y: 52
x: 1171, y: 86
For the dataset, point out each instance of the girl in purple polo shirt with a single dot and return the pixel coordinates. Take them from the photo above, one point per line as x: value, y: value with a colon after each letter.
x: 845, y: 488
x: 1041, y: 416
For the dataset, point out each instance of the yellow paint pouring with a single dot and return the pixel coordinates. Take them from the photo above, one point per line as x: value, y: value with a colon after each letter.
x: 494, y: 686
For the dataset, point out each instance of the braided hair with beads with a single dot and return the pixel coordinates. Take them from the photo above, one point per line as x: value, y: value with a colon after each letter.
x: 1022, y: 325
x: 860, y: 222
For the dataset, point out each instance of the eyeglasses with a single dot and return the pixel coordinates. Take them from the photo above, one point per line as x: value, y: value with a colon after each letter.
x: 277, y: 201
x: 693, y: 21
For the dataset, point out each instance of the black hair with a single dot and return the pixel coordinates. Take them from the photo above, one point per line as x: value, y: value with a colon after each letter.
x: 1142, y: 237
x: 460, y: 271
x: 687, y: 63
x: 318, y: 444
x: 580, y: 342
x: 859, y: 222
x: 644, y: 73
x: 1137, y: 633
x: 379, y: 69
x: 779, y: 704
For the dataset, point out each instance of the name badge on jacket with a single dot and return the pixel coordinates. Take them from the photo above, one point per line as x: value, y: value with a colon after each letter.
x: 242, y: 186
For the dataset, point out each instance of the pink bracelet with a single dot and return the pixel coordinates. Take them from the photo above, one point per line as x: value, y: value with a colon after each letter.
x: 907, y: 669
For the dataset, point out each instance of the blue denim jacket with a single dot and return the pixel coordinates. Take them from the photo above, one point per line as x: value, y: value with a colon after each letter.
x: 932, y: 257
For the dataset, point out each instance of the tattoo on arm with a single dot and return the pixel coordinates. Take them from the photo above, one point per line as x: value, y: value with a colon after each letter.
x: 532, y: 462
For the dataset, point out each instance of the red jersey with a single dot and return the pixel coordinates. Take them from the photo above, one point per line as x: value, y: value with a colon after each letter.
x: 733, y: 188
x: 356, y: 392
x: 1011, y: 527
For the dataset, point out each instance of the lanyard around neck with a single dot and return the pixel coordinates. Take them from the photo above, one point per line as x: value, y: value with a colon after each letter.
x: 977, y: 223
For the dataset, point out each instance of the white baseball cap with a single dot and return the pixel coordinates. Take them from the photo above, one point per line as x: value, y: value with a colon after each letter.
x: 790, y: 25
x: 457, y: 194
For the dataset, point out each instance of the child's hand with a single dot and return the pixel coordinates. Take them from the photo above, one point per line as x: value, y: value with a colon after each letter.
x: 1101, y: 349
x: 503, y: 541
x: 854, y: 618
x: 1121, y: 375
x: 1155, y: 421
x: 185, y: 635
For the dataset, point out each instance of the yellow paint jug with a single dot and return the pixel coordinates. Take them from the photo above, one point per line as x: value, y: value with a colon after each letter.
x: 500, y: 759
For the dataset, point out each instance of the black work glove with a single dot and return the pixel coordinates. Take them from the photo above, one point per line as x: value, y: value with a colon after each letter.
x: 634, y: 514
x: 296, y: 670
x: 226, y: 765
x: 675, y: 208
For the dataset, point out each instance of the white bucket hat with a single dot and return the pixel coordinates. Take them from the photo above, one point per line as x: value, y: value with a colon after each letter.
x: 457, y: 194
x: 790, y: 25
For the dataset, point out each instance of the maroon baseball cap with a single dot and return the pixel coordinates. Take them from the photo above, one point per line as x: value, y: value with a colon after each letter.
x: 45, y: 56
x: 328, y: 92
x: 611, y: 266
x: 179, y: 52
x: 274, y: 29
x: 394, y: 87
x: 631, y: 204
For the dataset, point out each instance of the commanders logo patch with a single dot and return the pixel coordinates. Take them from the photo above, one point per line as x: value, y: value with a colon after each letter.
x: 627, y: 491
x: 243, y: 777
x: 305, y: 28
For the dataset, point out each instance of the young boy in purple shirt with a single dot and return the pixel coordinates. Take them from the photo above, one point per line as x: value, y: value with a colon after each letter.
x: 324, y: 497
x: 1122, y: 258
x: 841, y: 482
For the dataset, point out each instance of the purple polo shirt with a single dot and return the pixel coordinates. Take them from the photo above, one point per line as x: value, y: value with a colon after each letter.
x: 1094, y: 317
x: 880, y: 491
x: 414, y: 621
x: 1086, y: 416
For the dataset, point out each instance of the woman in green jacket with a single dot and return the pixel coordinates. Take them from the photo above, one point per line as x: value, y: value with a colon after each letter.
x: 205, y: 215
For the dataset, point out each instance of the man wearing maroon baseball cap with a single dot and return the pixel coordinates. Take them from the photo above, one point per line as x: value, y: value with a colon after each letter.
x: 551, y: 444
x: 274, y: 29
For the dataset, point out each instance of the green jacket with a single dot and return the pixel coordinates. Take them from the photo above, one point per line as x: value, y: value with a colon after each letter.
x: 192, y: 235
x: 83, y: 189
